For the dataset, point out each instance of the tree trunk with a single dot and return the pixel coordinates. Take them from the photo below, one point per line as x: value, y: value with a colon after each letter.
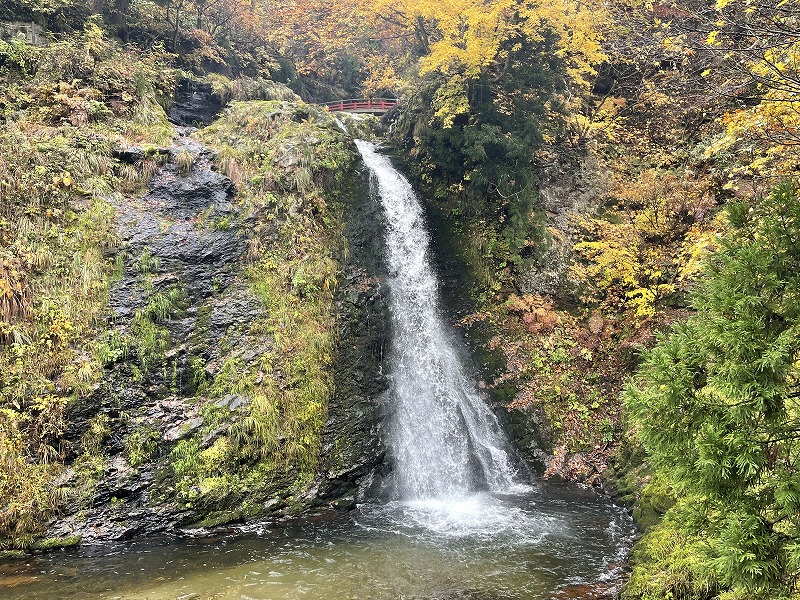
x: 422, y: 34
x: 177, y: 27
x: 119, y: 18
x: 201, y: 8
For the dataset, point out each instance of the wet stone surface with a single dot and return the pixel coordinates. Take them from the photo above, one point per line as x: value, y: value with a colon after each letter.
x: 186, y: 238
x: 196, y: 105
x: 188, y: 223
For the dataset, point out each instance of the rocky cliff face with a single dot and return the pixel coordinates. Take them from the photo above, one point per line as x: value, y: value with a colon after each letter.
x: 213, y: 409
x: 573, y: 186
x: 352, y: 449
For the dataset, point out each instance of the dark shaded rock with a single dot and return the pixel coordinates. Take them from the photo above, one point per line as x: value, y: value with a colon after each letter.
x: 532, y: 434
x: 126, y: 501
x: 130, y: 155
x: 183, y: 196
x: 118, y: 523
x: 237, y: 308
x: 352, y: 451
x: 136, y: 154
x: 196, y: 105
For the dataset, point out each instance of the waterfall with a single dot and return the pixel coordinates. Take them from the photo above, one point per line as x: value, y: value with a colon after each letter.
x: 445, y: 440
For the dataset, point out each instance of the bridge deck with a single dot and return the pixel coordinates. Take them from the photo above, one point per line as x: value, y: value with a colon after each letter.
x: 375, y: 106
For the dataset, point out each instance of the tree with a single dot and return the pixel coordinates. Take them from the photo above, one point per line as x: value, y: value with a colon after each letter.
x: 55, y: 15
x: 753, y: 52
x: 490, y: 80
x: 120, y: 10
x: 467, y: 41
x: 717, y: 403
x: 757, y: 42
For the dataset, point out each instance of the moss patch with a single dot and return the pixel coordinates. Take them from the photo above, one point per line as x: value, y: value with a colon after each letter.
x: 49, y: 544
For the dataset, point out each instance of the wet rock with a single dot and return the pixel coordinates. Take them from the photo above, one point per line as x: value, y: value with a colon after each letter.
x: 212, y: 436
x: 182, y: 196
x: 130, y: 154
x: 233, y: 402
x: 352, y: 451
x: 184, y: 430
x: 189, y: 227
x: 10, y: 581
x: 118, y: 523
x: 186, y: 235
x: 532, y: 435
x: 195, y: 105
x: 238, y: 307
x: 596, y: 591
x: 135, y: 154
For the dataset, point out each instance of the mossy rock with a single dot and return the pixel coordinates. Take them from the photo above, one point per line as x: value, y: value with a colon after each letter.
x: 655, y: 500
x: 54, y: 543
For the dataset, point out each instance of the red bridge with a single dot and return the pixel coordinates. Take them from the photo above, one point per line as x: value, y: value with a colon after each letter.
x: 375, y: 106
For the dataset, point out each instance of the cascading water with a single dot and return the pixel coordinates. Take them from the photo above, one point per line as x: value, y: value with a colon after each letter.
x: 446, y: 440
x: 461, y: 529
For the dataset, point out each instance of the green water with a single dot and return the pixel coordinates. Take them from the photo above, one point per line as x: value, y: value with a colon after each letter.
x: 536, y: 544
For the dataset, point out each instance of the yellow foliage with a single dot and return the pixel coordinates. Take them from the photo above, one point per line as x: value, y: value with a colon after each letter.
x: 765, y: 136
x: 651, y: 241
x: 769, y: 134
x: 451, y: 100
x: 599, y: 119
x: 612, y: 262
x: 622, y: 272
x: 643, y: 300
x: 381, y: 75
x: 315, y: 32
x: 578, y: 26
x: 697, y: 245
x: 470, y: 35
x: 14, y: 293
x: 464, y: 40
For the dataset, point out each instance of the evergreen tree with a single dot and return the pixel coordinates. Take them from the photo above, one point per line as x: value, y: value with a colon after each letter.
x: 716, y: 403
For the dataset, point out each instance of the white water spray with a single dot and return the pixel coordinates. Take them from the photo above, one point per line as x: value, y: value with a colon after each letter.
x: 445, y: 439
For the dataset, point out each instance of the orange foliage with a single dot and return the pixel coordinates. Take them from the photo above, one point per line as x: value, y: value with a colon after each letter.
x: 536, y: 313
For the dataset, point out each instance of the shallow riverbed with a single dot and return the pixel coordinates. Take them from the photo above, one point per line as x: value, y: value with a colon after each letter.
x: 536, y: 543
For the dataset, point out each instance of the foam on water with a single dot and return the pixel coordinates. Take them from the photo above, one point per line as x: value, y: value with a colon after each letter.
x: 478, y: 517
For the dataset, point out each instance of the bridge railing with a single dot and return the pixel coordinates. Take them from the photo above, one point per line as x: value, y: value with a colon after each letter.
x: 366, y: 104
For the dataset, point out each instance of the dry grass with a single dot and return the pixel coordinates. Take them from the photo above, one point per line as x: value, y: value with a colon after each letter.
x: 185, y: 160
x: 56, y: 232
x: 15, y: 296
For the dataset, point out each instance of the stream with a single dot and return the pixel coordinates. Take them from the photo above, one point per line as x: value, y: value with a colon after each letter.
x: 460, y: 518
x: 549, y: 543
